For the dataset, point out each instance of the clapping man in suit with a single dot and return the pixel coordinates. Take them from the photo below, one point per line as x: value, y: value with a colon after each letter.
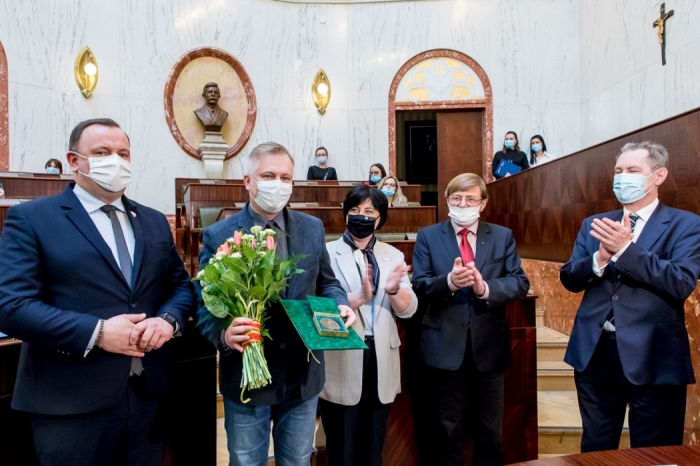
x: 93, y: 286
x: 297, y: 379
x: 629, y: 346
x: 465, y: 271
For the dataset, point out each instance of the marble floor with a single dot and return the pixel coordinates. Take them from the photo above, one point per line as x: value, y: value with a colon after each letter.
x: 221, y: 450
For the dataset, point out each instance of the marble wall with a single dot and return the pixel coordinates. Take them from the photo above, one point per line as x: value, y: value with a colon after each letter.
x: 530, y: 51
x: 623, y: 85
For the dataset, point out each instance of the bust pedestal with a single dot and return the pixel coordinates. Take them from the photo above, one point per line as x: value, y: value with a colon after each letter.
x: 213, y: 151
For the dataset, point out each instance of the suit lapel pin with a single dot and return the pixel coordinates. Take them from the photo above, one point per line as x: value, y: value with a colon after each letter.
x: 133, y: 214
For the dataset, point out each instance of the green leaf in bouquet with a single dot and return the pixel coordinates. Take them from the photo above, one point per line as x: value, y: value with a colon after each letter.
x: 267, y: 278
x: 211, y: 274
x: 257, y: 292
x: 276, y: 287
x: 215, y: 305
x: 248, y: 252
x: 235, y: 264
x: 235, y: 280
x: 268, y: 262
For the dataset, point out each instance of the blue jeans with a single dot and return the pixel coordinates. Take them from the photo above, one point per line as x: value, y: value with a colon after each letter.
x: 248, y: 432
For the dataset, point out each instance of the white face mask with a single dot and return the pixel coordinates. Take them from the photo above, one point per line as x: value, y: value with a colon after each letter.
x: 273, y: 195
x: 465, y: 216
x: 112, y: 172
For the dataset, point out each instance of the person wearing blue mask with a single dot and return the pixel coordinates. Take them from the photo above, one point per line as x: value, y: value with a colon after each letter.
x: 321, y: 171
x: 389, y: 185
x: 538, y: 151
x: 376, y: 173
x: 53, y: 167
x: 629, y: 346
x: 510, y: 152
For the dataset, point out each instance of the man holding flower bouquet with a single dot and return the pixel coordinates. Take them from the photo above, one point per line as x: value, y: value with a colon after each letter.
x: 296, y: 375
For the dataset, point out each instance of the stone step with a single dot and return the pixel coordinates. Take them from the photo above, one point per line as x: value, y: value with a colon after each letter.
x: 551, y: 345
x: 559, y: 424
x: 539, y: 317
x: 555, y: 376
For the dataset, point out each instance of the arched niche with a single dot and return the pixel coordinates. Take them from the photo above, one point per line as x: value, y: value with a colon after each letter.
x: 442, y: 80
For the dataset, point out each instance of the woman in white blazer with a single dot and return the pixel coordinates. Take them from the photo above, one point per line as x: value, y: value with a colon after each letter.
x: 361, y: 385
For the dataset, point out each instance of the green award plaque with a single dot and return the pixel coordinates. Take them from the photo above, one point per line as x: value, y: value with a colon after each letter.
x: 318, y: 322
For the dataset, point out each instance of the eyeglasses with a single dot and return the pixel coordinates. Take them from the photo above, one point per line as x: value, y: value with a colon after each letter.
x: 470, y: 201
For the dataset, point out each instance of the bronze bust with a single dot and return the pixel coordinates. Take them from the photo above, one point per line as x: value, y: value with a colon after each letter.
x: 210, y: 114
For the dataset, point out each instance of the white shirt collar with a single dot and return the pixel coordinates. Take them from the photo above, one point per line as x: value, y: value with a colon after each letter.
x: 91, y: 203
x: 473, y: 227
x: 645, y: 212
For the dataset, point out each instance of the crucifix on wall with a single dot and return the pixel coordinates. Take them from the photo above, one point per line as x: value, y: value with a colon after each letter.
x: 661, y: 31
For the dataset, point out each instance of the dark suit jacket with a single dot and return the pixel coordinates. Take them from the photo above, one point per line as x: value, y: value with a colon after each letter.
x: 646, y: 288
x: 58, y: 278
x: 449, y: 316
x: 285, y: 351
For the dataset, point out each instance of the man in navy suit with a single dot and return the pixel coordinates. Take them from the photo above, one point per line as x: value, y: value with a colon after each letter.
x: 629, y: 344
x: 297, y: 378
x: 464, y: 273
x: 92, y: 284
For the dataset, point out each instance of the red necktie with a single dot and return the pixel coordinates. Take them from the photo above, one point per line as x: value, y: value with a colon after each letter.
x: 465, y: 249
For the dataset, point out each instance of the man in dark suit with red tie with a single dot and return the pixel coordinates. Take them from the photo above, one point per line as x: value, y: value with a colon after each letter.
x: 629, y: 345
x: 92, y: 284
x: 464, y: 272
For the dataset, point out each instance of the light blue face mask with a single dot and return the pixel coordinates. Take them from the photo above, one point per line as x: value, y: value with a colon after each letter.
x: 536, y: 147
x: 375, y: 179
x: 52, y: 170
x: 509, y: 144
x: 629, y: 187
x: 388, y: 192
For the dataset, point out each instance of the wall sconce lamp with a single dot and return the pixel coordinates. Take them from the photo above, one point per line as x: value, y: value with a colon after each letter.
x: 86, y: 72
x: 321, y: 91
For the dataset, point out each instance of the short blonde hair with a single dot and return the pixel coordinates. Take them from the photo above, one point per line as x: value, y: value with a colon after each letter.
x: 262, y: 149
x: 466, y: 181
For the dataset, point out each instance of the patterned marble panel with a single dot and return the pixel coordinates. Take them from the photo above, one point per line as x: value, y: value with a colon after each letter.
x: 74, y: 25
x: 30, y: 119
x: 363, y: 139
x: 381, y: 38
x: 495, y: 34
x: 153, y: 175
x: 27, y: 23
x: 556, y: 123
x: 558, y: 304
x: 312, y: 130
x: 623, y: 85
x: 322, y: 46
x: 649, y: 96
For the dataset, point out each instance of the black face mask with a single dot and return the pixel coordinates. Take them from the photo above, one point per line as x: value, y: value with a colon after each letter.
x: 361, y: 226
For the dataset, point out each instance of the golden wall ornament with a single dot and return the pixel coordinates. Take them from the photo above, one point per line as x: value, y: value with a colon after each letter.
x: 86, y: 72
x: 321, y: 91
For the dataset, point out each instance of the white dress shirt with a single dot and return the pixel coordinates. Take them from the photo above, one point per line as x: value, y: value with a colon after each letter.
x: 546, y: 157
x: 103, y: 223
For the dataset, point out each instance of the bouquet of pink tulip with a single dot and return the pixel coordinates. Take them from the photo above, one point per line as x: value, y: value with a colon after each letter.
x: 241, y: 280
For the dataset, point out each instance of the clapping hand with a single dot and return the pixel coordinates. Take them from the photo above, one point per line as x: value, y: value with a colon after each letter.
x: 393, y: 282
x: 612, y: 235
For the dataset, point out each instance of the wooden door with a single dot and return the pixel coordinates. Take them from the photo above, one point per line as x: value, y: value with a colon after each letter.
x: 460, y: 149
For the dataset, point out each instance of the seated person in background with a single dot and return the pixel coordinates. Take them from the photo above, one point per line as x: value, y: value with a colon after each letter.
x: 53, y: 167
x: 376, y: 173
x: 389, y: 185
x: 361, y: 385
x: 510, y: 152
x: 321, y: 171
x: 538, y: 151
